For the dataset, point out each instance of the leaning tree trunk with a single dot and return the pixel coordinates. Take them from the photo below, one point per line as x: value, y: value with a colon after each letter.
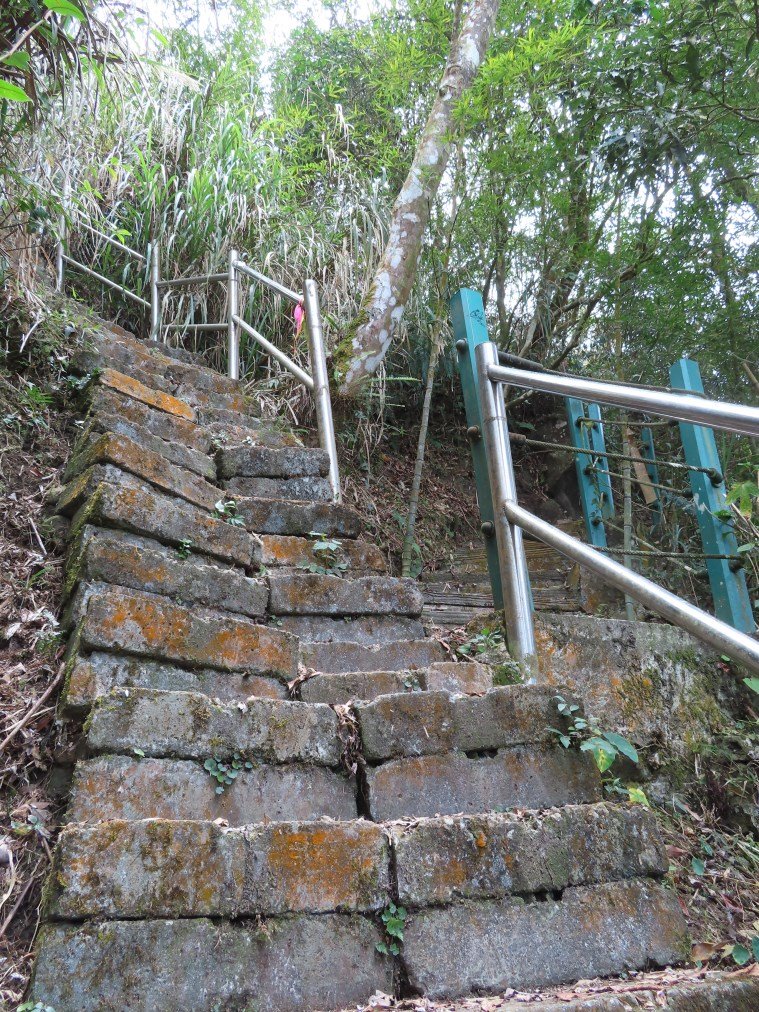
x: 362, y: 350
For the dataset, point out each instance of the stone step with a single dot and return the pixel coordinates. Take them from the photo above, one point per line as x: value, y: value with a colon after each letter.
x: 248, y: 431
x: 526, y: 776
x: 291, y: 964
x: 429, y: 723
x: 301, y: 489
x: 363, y: 630
x: 314, y: 594
x: 188, y: 725
x: 336, y: 658
x: 88, y: 677
x: 466, y: 677
x: 147, y: 625
x: 490, y: 946
x: 359, y: 557
x: 263, y: 462
x: 197, y: 385
x: 129, y: 787
x: 270, y: 516
x: 109, y: 403
x: 175, y: 452
x: 125, y: 385
x: 154, y: 869
x: 441, y: 860
x: 146, y: 464
x: 130, y: 505
x: 100, y: 555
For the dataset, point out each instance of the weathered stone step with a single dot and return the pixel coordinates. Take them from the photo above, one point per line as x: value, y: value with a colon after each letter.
x: 98, y: 674
x: 128, y: 560
x: 197, y: 385
x: 128, y: 787
x: 271, y: 516
x: 153, y: 869
x: 262, y: 462
x: 657, y: 990
x: 298, y: 553
x: 176, y: 453
x: 362, y: 630
x: 427, y: 723
x: 397, y: 656
x: 132, y: 622
x: 293, y: 964
x: 188, y: 725
x: 301, y: 489
x: 441, y: 860
x: 467, y: 676
x: 108, y: 403
x: 525, y: 776
x: 249, y: 431
x: 125, y: 385
x: 129, y: 504
x: 491, y: 945
x: 314, y: 594
x: 146, y: 464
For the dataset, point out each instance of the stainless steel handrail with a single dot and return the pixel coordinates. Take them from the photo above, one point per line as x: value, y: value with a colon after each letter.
x: 275, y: 286
x: 317, y: 383
x: 114, y: 242
x: 106, y: 281
x: 512, y: 519
x: 275, y: 352
x: 194, y: 280
x: 680, y: 406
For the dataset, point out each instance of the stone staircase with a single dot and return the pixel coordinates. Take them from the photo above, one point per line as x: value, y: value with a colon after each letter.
x: 274, y: 756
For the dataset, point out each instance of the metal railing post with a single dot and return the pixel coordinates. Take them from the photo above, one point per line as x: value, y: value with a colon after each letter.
x: 155, y: 294
x: 60, y: 245
x: 233, y: 328
x: 469, y: 331
x: 727, y: 579
x: 320, y: 377
x: 515, y: 581
x: 591, y: 493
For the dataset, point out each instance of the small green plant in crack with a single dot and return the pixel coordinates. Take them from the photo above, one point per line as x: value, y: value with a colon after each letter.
x: 394, y: 920
x: 328, y: 552
x: 226, y: 510
x: 488, y: 639
x: 606, y: 746
x: 184, y: 548
x: 226, y: 771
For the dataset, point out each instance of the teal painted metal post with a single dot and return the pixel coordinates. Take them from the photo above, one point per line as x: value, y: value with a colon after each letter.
x: 589, y: 483
x: 469, y: 330
x: 598, y: 443
x: 728, y: 582
x: 652, y: 470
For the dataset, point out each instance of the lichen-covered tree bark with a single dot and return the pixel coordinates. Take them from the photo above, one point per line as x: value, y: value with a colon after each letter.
x: 364, y: 347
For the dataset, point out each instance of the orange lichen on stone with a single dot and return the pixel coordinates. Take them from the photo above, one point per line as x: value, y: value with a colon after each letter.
x: 139, y: 391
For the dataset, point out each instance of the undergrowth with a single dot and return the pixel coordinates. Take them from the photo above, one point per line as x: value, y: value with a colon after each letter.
x: 35, y: 440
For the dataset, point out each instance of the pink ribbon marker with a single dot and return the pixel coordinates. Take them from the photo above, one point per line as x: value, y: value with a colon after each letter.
x: 299, y: 315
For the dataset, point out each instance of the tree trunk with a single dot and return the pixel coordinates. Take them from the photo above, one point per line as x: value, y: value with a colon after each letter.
x: 363, y: 348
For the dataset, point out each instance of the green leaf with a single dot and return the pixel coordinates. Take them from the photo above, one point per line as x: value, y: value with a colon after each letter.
x: 755, y: 947
x: 139, y: 752
x: 621, y: 744
x: 65, y: 8
x: 12, y: 92
x: 698, y: 866
x: 638, y: 796
x: 20, y: 60
x: 741, y: 955
x: 753, y: 684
